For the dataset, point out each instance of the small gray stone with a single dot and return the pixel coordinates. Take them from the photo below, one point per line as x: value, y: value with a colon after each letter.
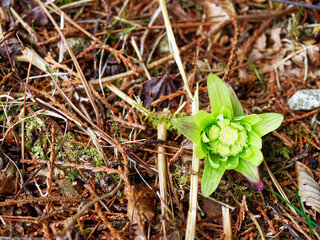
x: 77, y: 45
x: 306, y: 99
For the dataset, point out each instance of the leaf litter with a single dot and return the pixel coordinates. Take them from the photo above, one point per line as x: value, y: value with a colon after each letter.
x: 79, y: 148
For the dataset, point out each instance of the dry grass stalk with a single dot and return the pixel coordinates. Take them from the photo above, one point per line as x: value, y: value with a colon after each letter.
x: 76, y: 63
x: 276, y: 183
x: 75, y: 4
x: 193, y: 200
x: 24, y: 111
x: 134, y: 44
x: 227, y: 227
x: 162, y: 172
x: 129, y: 100
x: 26, y: 26
x: 174, y: 48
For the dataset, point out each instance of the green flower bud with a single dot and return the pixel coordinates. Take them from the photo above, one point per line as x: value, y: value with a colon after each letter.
x: 227, y: 138
x: 228, y: 135
x: 213, y: 133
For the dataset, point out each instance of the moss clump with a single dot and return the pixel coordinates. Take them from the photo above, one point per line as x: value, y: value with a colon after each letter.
x: 181, y: 179
x: 273, y: 147
x: 70, y: 151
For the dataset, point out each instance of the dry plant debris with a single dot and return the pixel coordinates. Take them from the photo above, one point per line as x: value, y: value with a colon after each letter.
x: 79, y: 142
x: 309, y: 189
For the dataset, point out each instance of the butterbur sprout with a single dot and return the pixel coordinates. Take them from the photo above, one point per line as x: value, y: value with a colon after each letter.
x: 227, y: 138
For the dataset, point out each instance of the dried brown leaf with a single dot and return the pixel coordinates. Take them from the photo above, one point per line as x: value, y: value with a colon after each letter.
x: 275, y: 36
x: 145, y: 203
x: 7, y: 176
x: 158, y: 87
x: 37, y: 16
x: 214, y: 12
x: 314, y: 55
x: 309, y: 189
x: 14, y: 47
x: 261, y: 42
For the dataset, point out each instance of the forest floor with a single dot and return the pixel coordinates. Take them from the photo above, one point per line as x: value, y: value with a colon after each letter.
x: 87, y: 92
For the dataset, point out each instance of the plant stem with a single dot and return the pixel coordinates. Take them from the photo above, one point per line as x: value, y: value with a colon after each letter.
x: 174, y: 47
x: 192, y: 213
x: 162, y: 173
x: 129, y: 100
x: 226, y: 218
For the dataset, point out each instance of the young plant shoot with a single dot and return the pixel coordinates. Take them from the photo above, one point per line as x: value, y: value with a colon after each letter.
x: 227, y: 138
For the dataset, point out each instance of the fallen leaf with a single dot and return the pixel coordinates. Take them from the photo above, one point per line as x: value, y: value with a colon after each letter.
x: 145, y: 203
x: 309, y: 189
x: 275, y: 36
x: 67, y: 189
x: 14, y: 47
x: 37, y: 17
x: 113, y: 67
x: 157, y: 87
x: 211, y: 208
x: 214, y: 12
x: 7, y: 175
x: 314, y: 55
x: 261, y: 43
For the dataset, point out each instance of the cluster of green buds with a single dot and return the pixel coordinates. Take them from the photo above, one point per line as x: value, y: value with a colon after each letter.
x: 227, y: 138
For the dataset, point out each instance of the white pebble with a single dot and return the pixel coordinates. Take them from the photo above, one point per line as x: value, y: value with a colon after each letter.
x: 306, y: 99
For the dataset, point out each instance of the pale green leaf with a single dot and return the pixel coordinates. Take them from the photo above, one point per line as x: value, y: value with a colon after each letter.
x: 231, y: 163
x: 188, y: 127
x: 214, y: 160
x: 247, y: 126
x: 211, y: 178
x: 254, y: 139
x: 246, y: 152
x: 204, y: 137
x: 200, y: 150
x: 236, y: 105
x: 255, y: 157
x: 219, y: 95
x: 268, y: 123
x: 225, y: 112
x: 223, y: 159
x: 249, y: 119
x: 251, y: 172
x: 204, y: 120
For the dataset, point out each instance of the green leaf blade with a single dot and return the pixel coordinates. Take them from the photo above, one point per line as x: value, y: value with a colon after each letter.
x: 256, y: 156
x: 249, y: 119
x: 211, y: 178
x: 219, y: 95
x: 204, y: 120
x: 188, y: 127
x: 254, y: 139
x: 268, y: 123
x: 236, y: 105
x: 251, y: 172
x: 214, y: 160
x: 231, y: 163
x: 200, y: 151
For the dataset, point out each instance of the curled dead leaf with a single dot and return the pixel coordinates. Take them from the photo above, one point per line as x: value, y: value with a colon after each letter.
x: 14, y: 47
x: 275, y: 36
x: 145, y: 203
x: 157, y: 87
x: 309, y: 189
x: 7, y: 175
x: 36, y: 16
